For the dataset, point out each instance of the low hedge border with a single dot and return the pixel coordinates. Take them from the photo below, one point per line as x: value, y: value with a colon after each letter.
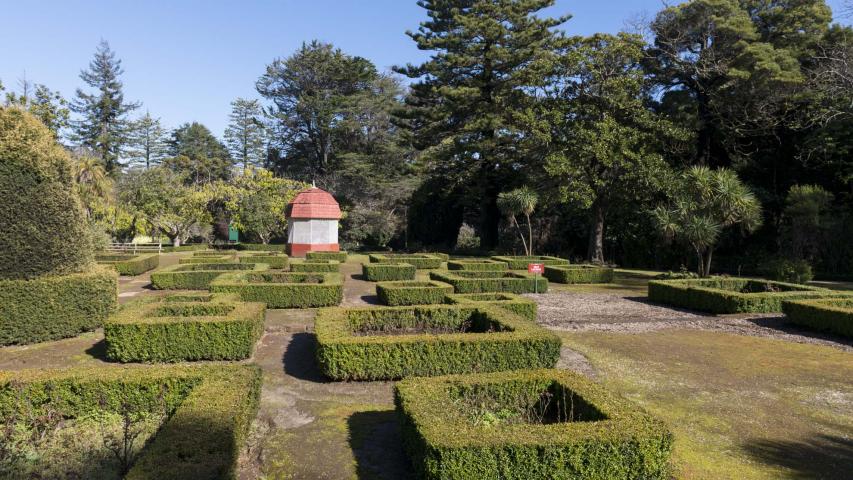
x: 520, y: 262
x: 274, y: 260
x: 283, y: 289
x: 484, y: 282
x: 186, y: 248
x: 387, y: 343
x: 157, y: 330
x: 316, y: 266
x: 607, y: 438
x: 197, y: 276
x: 482, y: 265
x: 334, y: 256
x: 724, y: 295
x: 421, y: 261
x: 388, y: 272
x: 410, y: 292
x: 211, y: 409
x: 207, y: 259
x: 834, y: 315
x: 514, y: 303
x: 129, y: 264
x: 256, y: 247
x: 579, y: 274
x: 54, y: 307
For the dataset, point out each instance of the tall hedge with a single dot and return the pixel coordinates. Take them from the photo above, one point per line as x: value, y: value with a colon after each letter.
x: 44, y: 229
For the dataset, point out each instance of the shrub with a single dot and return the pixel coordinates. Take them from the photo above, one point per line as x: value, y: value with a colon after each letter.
x: 186, y: 248
x: 197, y: 276
x: 482, y: 265
x: 331, y: 256
x: 210, y: 410
x: 45, y: 231
x: 521, y: 262
x: 519, y: 305
x: 214, y: 253
x: 259, y: 247
x: 579, y: 274
x: 158, y: 330
x: 539, y: 424
x: 275, y: 260
x: 412, y: 293
x: 421, y: 261
x: 385, y: 343
x: 283, y: 289
x: 793, y: 271
x: 833, y: 315
x: 54, y: 307
x: 207, y: 259
x: 316, y: 266
x: 385, y: 272
x: 129, y: 264
x: 730, y: 295
x: 480, y: 282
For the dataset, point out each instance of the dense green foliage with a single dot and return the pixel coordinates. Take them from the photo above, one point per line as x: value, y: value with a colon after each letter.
x: 509, y: 301
x: 481, y: 282
x: 579, y: 274
x: 316, y: 266
x: 259, y: 247
x: 208, y: 258
x: 521, y: 262
x: 53, y: 307
x: 337, y: 256
x: 395, y: 342
x: 421, y: 261
x: 412, y: 293
x: 130, y: 264
x: 274, y: 260
x: 730, y: 295
x: 210, y: 410
x: 834, y: 315
x: 597, y: 434
x: 477, y: 265
x: 388, y: 272
x: 283, y: 289
x: 196, y: 276
x: 157, y: 330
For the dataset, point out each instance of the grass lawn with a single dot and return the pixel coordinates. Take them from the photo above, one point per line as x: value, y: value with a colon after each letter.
x: 740, y: 407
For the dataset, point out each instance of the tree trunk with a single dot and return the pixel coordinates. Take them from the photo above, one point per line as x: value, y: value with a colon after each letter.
x: 708, y: 254
x: 529, y: 235
x: 176, y: 240
x: 518, y: 229
x: 596, y: 233
x: 700, y: 268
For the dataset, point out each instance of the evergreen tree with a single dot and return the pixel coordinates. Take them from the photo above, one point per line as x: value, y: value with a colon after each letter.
x: 48, y: 106
x: 245, y: 133
x: 197, y: 155
x: 103, y: 125
x: 148, y: 141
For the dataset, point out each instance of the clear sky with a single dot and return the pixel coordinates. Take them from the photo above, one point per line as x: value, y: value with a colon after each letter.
x: 186, y: 60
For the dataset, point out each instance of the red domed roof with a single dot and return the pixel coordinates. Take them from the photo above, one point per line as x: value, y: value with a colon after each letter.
x: 314, y: 203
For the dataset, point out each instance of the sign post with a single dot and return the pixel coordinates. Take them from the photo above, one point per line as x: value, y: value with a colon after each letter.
x: 536, y: 269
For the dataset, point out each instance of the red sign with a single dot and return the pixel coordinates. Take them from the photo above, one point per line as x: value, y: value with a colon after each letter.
x: 537, y: 268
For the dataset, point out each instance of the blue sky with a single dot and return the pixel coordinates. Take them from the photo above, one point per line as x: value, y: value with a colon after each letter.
x: 186, y: 60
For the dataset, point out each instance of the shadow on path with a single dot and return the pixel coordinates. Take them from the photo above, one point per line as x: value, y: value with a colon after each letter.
x: 822, y: 456
x: 377, y: 445
x: 299, y: 359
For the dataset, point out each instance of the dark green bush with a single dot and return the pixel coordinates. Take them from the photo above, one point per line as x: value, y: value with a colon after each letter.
x: 793, y: 271
x: 316, y: 266
x: 210, y: 410
x: 53, y: 307
x: 331, y: 256
x: 159, y: 330
x: 421, y: 261
x: 130, y: 264
x: 834, y: 315
x: 387, y: 343
x: 275, y: 260
x: 521, y: 262
x: 410, y: 292
x: 388, y: 272
x: 528, y: 425
x: 197, y: 276
x: 283, y: 289
x: 464, y: 281
x: 519, y: 305
x: 730, y: 295
x: 480, y: 265
x: 579, y: 274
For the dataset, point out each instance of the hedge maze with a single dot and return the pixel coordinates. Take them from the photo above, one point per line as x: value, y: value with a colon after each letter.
x: 273, y: 259
x: 316, y: 266
x: 478, y: 265
x: 128, y: 263
x: 465, y: 281
x: 283, y: 289
x: 517, y: 304
x: 421, y: 261
x: 385, y: 272
x: 336, y: 256
x: 197, y: 276
x: 521, y: 262
x: 730, y: 295
x: 579, y: 274
x: 412, y: 292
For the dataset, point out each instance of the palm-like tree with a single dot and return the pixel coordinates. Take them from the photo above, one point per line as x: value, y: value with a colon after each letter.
x: 521, y: 201
x: 92, y: 181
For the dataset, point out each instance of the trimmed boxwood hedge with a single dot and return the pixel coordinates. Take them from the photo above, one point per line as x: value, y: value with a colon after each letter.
x: 257, y: 247
x: 316, y: 266
x: 579, y: 274
x: 520, y: 262
x: 480, y: 265
x: 479, y: 282
x: 519, y: 305
x: 186, y: 248
x: 606, y: 437
x: 730, y: 295
x: 283, y: 289
x: 412, y: 293
x: 207, y: 259
x: 388, y: 272
x: 210, y: 410
x: 274, y: 260
x: 158, y: 330
x: 130, y: 264
x: 197, y: 276
x: 54, y: 307
x: 334, y: 256
x: 834, y: 315
x: 421, y: 261
x: 386, y: 343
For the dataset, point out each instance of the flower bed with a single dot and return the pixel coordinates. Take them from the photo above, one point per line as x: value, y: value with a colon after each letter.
x: 481, y: 265
x: 519, y: 305
x: 421, y: 261
x: 521, y: 262
x: 283, y: 289
x: 412, y: 293
x: 579, y: 274
x: 388, y: 272
x: 197, y: 276
x: 480, y: 282
x: 129, y: 264
x: 730, y: 295
x: 834, y: 315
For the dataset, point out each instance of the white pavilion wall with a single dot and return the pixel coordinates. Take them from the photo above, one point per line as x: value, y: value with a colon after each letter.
x: 313, y: 231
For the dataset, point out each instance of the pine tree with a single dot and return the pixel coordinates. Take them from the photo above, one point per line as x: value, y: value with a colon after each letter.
x: 104, y: 125
x: 245, y: 133
x: 147, y: 141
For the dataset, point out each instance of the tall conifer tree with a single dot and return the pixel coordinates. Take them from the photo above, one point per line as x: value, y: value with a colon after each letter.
x: 245, y: 133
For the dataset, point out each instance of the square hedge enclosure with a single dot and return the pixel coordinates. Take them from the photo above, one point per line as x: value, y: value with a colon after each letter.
x: 386, y: 343
x: 539, y: 424
x: 209, y: 410
x: 412, y: 292
x: 579, y: 274
x: 388, y: 272
x: 208, y: 258
x: 128, y: 263
x: 521, y: 262
x: 421, y: 261
x: 519, y: 305
x: 834, y: 315
x: 283, y: 289
x: 464, y: 281
x: 184, y: 328
x: 197, y: 276
x: 481, y: 265
x: 273, y: 259
x: 730, y: 295
x: 336, y: 256
x: 316, y: 266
